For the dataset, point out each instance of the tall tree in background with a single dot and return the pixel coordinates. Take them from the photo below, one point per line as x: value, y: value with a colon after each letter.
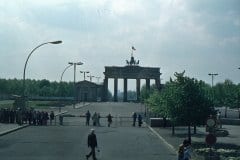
x: 226, y: 94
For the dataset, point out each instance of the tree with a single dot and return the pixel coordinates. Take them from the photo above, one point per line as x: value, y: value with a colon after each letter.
x: 226, y: 94
x: 183, y: 100
x: 144, y: 94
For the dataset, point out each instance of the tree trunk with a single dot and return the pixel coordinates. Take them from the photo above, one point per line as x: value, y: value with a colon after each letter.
x: 189, y: 133
x: 225, y: 112
x: 195, y: 129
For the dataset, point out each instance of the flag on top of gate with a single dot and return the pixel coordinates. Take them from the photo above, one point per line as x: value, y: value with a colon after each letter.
x: 133, y: 48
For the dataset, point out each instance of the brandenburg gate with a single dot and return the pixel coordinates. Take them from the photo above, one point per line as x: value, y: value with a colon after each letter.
x: 132, y: 70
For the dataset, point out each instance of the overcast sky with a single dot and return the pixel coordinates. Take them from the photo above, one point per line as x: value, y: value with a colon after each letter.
x: 199, y: 36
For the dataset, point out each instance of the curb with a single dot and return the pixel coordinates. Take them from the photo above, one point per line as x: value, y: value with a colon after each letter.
x: 57, y: 114
x: 162, y: 139
x: 12, y: 130
x: 84, y: 105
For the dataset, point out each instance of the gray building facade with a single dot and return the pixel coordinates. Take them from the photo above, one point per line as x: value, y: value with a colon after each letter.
x: 87, y: 91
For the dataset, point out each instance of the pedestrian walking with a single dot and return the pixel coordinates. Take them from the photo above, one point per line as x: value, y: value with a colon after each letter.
x: 139, y: 120
x: 109, y: 119
x: 88, y: 116
x: 92, y: 143
x: 134, y: 116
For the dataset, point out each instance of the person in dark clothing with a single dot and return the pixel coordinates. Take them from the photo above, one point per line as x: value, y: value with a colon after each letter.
x: 134, y: 116
x: 51, y: 117
x: 109, y: 118
x: 46, y: 118
x: 164, y: 122
x: 88, y: 116
x: 30, y: 117
x: 92, y: 142
x: 139, y: 120
x: 184, y: 151
x: 34, y: 118
x: 12, y: 116
x: 94, y: 119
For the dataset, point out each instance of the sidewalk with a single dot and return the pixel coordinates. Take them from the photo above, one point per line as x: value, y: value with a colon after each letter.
x: 77, y: 106
x: 8, y: 128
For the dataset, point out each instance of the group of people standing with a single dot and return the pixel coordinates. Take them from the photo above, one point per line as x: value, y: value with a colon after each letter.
x: 96, y: 118
x: 30, y: 116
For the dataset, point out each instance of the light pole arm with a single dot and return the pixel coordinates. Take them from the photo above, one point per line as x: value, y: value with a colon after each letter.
x: 64, y: 71
x: 25, y: 66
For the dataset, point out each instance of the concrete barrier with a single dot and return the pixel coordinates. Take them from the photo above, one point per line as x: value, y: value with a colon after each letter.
x: 59, y: 115
x: 229, y: 121
x: 160, y: 122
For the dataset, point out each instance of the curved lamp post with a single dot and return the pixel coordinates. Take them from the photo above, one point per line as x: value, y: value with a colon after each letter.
x: 53, y: 42
x: 61, y: 80
x: 64, y: 71
x: 74, y: 64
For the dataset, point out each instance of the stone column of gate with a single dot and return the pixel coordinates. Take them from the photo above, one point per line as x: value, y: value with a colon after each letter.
x: 115, y: 89
x: 125, y: 90
x: 138, y: 89
x: 105, y: 89
x: 158, y: 83
x: 148, y: 84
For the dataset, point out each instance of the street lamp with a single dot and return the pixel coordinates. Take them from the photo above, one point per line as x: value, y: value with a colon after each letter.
x: 25, y: 66
x: 98, y: 79
x: 74, y: 65
x: 90, y: 77
x: 61, y: 81
x: 212, y: 74
x: 84, y: 72
x: 238, y: 100
x: 64, y: 71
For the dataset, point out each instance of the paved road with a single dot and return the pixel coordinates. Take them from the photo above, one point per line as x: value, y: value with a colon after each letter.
x: 68, y: 142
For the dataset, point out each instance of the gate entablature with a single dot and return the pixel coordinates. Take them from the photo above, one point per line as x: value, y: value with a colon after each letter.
x: 132, y: 72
